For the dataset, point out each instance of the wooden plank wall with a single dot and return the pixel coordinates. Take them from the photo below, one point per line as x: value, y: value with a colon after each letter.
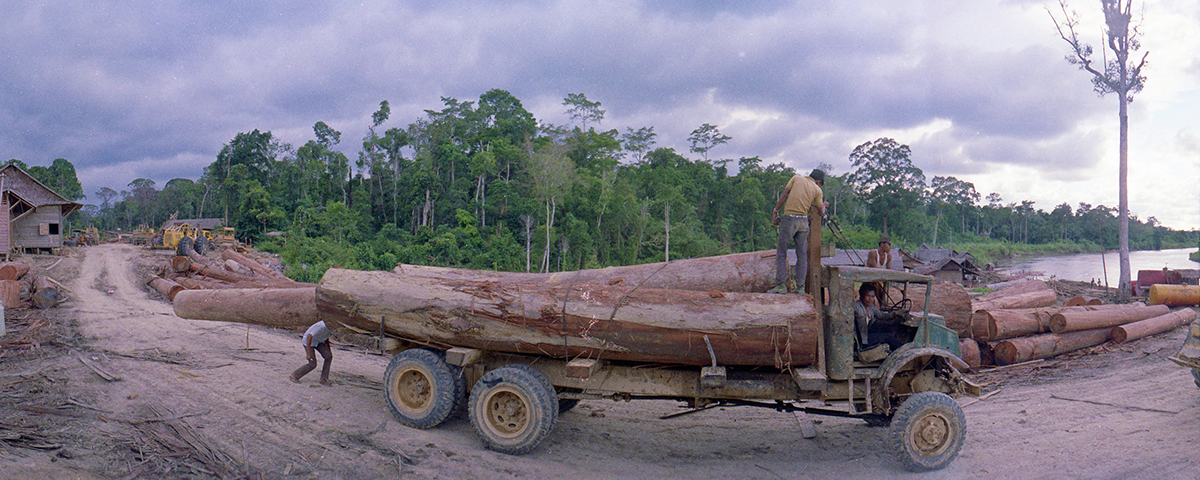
x: 5, y: 231
x: 26, y: 230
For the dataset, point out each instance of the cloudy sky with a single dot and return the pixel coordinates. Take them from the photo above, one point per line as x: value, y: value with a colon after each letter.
x: 979, y: 90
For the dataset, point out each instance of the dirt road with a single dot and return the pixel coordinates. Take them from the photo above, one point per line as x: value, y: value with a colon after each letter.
x: 200, y: 399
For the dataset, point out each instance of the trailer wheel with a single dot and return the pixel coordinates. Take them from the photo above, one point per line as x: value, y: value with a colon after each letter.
x: 1196, y: 375
x: 513, y: 408
x: 928, y: 431
x: 421, y: 389
x: 185, y: 244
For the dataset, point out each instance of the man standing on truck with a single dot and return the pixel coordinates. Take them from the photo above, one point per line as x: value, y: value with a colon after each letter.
x: 800, y: 194
x: 316, y: 339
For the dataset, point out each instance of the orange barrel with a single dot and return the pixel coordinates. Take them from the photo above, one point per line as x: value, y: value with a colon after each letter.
x: 1174, y: 295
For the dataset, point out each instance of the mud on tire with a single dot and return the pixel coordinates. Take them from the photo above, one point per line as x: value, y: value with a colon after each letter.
x: 185, y: 245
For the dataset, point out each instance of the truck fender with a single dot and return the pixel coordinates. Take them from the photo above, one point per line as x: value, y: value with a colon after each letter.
x: 906, y: 354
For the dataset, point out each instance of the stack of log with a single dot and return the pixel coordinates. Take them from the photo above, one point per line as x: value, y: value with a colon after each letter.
x: 235, y: 288
x: 1022, y: 322
x: 19, y: 288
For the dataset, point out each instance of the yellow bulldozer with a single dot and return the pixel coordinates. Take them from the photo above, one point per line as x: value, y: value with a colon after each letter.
x: 182, y: 237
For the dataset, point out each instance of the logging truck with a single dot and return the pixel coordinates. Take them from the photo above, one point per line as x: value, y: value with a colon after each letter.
x: 518, y: 354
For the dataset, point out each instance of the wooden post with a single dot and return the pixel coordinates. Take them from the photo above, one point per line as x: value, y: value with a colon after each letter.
x: 812, y: 282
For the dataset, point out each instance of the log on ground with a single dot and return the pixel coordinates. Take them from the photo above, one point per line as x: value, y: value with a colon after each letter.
x: 10, y: 294
x: 970, y: 352
x: 180, y: 264
x: 13, y: 271
x: 611, y: 322
x: 46, y: 293
x: 950, y: 300
x: 1151, y: 326
x: 276, y: 307
x: 1031, y: 299
x: 1075, y: 320
x: 230, y: 254
x: 1024, y: 349
x: 166, y: 287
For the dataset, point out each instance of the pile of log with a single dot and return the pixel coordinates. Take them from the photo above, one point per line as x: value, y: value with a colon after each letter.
x: 1022, y: 323
x: 19, y: 288
x: 235, y: 288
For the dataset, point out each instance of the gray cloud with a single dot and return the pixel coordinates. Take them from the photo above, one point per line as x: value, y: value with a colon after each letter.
x: 154, y: 89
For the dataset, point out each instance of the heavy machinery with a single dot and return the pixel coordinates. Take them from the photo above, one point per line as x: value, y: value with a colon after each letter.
x: 182, y: 237
x: 142, y: 235
x: 514, y: 397
x: 1189, y: 354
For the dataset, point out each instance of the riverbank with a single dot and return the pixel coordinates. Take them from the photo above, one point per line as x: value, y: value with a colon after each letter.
x: 1002, y: 252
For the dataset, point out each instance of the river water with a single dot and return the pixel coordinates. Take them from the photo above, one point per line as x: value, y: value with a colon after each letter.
x: 1085, y: 267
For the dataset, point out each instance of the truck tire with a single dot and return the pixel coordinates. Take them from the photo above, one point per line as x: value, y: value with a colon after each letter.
x: 927, y: 431
x: 421, y: 389
x: 1196, y: 375
x: 513, y: 408
x: 185, y: 245
x: 201, y: 245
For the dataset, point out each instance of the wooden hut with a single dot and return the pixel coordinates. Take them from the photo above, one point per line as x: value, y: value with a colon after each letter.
x: 34, y: 219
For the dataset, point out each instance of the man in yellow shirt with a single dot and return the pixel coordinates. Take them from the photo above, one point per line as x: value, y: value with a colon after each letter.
x: 800, y: 194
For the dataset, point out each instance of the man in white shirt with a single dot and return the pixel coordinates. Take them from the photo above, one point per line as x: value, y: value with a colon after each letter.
x: 316, y: 339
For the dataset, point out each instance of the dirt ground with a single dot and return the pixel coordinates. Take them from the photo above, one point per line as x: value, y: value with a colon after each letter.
x: 196, y: 399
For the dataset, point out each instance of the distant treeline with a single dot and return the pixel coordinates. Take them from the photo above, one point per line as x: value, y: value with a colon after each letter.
x: 483, y: 184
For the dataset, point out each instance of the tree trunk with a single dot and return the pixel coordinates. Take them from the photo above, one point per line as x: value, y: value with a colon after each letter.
x: 1151, y: 326
x: 10, y: 294
x: 1073, y: 321
x: 13, y: 271
x: 46, y: 293
x: 596, y: 321
x: 739, y: 272
x: 1024, y: 349
x: 950, y: 300
x: 1123, y: 201
x: 166, y: 287
x: 230, y: 254
x: 970, y: 352
x: 1028, y: 294
x: 285, y: 307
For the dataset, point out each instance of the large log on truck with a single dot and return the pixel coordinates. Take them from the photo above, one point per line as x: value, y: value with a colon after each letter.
x: 739, y: 272
x: 600, y: 321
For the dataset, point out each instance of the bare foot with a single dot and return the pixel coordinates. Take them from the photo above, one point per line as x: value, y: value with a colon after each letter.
x: 294, y: 379
x: 326, y: 382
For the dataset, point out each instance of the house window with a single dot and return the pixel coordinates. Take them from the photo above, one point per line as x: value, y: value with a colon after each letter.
x: 54, y: 229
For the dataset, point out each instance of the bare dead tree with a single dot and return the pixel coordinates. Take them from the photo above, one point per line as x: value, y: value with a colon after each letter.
x: 1121, y: 76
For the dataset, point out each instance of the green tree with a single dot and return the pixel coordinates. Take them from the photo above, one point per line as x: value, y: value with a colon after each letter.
x: 886, y: 177
x: 705, y: 138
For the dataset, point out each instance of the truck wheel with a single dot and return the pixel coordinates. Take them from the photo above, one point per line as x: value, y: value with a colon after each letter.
x: 421, y: 389
x: 201, y: 245
x: 185, y: 244
x: 928, y: 431
x: 1196, y: 375
x: 513, y: 408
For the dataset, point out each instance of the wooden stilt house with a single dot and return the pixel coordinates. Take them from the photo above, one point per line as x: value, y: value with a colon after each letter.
x: 33, y: 213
